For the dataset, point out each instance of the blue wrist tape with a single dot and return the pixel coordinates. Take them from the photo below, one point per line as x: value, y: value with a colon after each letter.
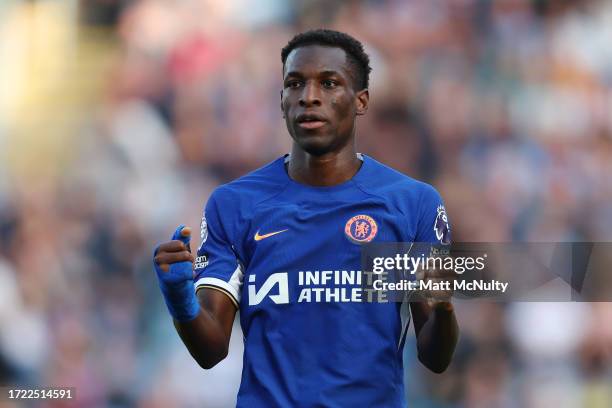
x: 177, y: 285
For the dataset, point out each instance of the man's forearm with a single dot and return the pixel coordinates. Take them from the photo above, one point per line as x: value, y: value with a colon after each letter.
x: 204, y: 338
x: 438, y: 337
x: 207, y: 336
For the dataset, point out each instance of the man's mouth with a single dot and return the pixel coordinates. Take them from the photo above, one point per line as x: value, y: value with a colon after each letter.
x: 311, y: 124
x: 310, y: 121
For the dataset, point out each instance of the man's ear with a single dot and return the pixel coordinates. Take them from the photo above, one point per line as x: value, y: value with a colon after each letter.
x: 363, y: 100
x: 281, y: 103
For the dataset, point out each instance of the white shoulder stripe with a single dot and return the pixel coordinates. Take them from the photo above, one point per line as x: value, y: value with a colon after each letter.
x: 405, y: 322
x: 233, y: 286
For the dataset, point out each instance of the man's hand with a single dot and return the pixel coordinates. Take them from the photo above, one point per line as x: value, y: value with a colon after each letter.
x: 205, y: 329
x: 173, y: 263
x: 435, y: 323
x: 441, y: 287
x: 173, y: 259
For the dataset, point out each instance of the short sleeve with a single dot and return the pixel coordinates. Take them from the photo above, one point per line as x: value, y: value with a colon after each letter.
x: 433, y: 226
x: 216, y: 265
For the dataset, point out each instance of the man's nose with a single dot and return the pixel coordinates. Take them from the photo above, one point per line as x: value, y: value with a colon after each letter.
x: 310, y: 95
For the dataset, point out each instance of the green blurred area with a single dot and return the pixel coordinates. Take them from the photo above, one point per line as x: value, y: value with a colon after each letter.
x: 52, y: 79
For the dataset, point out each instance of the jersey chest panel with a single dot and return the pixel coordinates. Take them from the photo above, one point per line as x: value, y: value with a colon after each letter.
x: 315, y: 245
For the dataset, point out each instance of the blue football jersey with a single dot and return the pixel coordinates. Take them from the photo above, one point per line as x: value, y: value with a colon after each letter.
x: 288, y: 255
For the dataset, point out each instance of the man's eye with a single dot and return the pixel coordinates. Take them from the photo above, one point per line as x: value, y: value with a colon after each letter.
x: 293, y: 84
x: 329, y: 83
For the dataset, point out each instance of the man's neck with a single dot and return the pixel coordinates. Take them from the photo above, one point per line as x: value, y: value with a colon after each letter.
x: 327, y: 170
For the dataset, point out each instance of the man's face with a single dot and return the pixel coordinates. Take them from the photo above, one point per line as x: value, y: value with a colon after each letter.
x: 318, y: 100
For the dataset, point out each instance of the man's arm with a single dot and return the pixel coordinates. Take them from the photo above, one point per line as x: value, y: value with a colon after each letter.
x: 437, y: 333
x: 207, y: 336
x: 203, y: 323
x: 434, y: 319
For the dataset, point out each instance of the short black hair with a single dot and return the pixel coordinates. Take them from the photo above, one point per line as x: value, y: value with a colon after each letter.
x: 355, y: 53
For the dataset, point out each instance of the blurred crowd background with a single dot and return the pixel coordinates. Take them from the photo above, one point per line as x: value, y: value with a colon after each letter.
x: 118, y: 118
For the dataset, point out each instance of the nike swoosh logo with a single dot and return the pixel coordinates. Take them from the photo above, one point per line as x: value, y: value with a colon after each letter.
x: 264, y: 236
